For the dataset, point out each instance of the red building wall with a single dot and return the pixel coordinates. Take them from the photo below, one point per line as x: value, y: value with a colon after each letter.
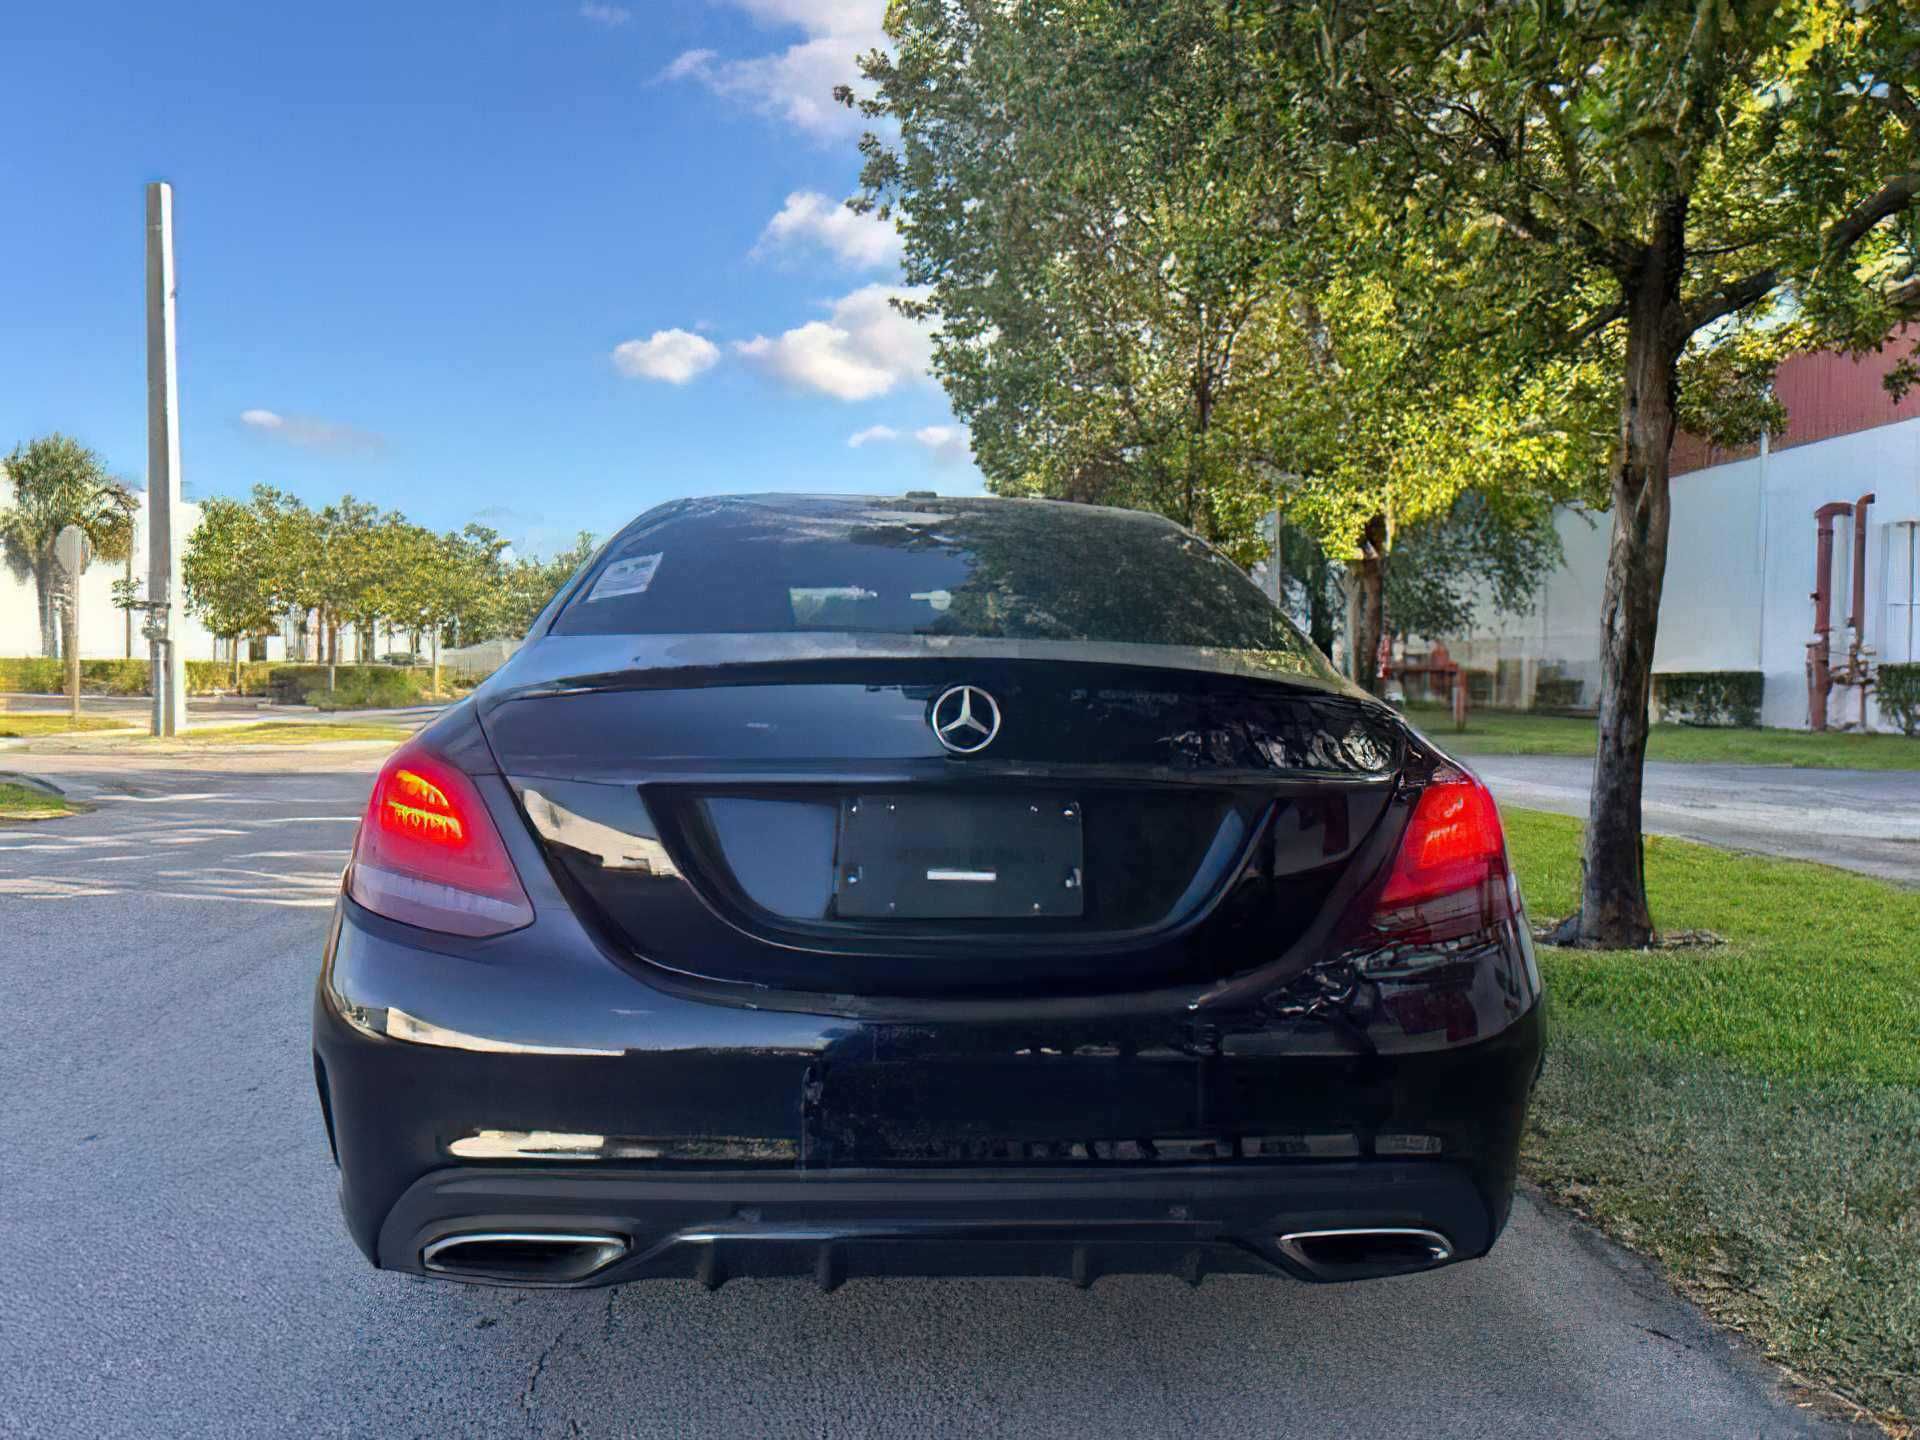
x: 1825, y: 395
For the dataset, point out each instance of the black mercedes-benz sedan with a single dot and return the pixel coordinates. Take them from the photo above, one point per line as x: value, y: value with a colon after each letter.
x: 839, y: 886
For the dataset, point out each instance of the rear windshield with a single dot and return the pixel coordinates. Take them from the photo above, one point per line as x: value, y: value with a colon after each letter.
x: 1012, y: 569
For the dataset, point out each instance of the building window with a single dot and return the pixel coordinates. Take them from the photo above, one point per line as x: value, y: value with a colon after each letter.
x: 1902, y: 639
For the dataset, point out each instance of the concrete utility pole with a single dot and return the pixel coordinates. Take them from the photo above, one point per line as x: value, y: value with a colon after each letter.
x: 164, y: 624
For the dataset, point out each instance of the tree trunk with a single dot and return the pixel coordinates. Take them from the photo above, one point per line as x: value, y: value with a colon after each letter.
x: 234, y: 646
x: 49, y: 618
x: 129, y: 613
x: 1372, y: 617
x: 436, y: 662
x: 1613, y: 895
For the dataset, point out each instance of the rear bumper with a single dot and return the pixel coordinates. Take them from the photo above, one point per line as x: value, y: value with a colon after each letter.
x: 535, y: 1086
x: 716, y: 1226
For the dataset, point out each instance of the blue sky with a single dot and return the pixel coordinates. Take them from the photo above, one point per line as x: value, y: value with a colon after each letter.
x: 536, y: 262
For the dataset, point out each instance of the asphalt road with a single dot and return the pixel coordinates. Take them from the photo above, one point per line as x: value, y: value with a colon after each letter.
x: 174, y: 1264
x: 1861, y: 820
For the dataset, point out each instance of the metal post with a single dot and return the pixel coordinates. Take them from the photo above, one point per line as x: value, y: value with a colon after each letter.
x: 169, y: 668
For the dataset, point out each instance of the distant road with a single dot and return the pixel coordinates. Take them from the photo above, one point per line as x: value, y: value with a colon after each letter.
x: 1865, y: 820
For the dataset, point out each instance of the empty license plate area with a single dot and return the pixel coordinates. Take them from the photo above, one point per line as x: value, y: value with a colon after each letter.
x: 958, y: 857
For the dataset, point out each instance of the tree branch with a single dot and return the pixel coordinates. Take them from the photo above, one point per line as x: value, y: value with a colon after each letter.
x: 1848, y: 231
x: 1743, y: 292
x: 1890, y: 199
x: 1585, y: 331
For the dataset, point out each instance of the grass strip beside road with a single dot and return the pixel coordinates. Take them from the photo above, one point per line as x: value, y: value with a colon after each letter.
x: 1502, y: 732
x: 1749, y: 1115
x: 14, y: 727
x: 24, y: 802
x: 290, y: 732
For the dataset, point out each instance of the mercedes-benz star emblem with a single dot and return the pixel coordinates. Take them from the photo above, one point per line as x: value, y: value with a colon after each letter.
x: 965, y: 719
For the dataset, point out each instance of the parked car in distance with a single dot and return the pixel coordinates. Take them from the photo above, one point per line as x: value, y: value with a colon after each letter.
x: 839, y: 886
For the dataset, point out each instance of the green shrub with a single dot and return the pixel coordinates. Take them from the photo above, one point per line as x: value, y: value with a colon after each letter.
x: 215, y: 677
x: 1555, y: 691
x: 356, y: 687
x: 1900, y: 696
x: 1711, y: 697
x: 36, y: 676
x: 33, y: 676
x: 360, y: 686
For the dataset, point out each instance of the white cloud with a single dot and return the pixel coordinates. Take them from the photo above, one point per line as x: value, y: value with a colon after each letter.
x: 796, y: 84
x: 810, y: 218
x: 873, y: 434
x: 864, y: 349
x: 675, y: 356
x: 950, y: 444
x: 690, y: 62
x: 608, y: 15
x: 309, y: 432
x: 817, y: 17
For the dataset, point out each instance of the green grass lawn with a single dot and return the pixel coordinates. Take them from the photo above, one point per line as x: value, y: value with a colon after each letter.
x: 23, y: 802
x: 1748, y: 1114
x: 1499, y: 732
x: 20, y: 726
x: 293, y: 732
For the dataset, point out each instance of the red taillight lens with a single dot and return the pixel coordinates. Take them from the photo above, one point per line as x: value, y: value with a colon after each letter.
x: 428, y: 853
x: 1449, y: 878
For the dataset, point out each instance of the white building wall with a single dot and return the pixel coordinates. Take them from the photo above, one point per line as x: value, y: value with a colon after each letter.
x: 1740, y: 573
x: 103, y: 629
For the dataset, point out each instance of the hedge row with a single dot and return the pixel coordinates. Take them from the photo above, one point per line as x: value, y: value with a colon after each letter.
x: 1711, y: 697
x: 356, y: 686
x: 1900, y: 696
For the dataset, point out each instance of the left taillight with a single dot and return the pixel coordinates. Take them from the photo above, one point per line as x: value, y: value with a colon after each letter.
x: 429, y: 854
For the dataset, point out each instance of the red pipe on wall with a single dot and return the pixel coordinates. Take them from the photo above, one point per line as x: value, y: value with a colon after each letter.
x: 1820, y: 651
x: 1857, y: 649
x: 1858, y: 620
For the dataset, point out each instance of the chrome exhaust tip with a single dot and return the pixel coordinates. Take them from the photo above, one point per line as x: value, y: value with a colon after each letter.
x: 523, y: 1257
x: 1365, y: 1252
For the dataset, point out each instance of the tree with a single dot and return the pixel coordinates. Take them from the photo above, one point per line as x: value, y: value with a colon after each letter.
x: 1714, y: 181
x: 346, y: 566
x: 1444, y: 568
x: 58, y: 482
x: 226, y: 574
x: 476, y: 581
x: 292, y: 549
x: 1145, y: 299
x: 529, y: 584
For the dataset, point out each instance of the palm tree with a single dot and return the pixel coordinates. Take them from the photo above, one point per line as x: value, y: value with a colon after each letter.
x: 58, y: 482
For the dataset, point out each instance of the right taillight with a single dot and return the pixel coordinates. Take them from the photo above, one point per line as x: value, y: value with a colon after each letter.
x: 1449, y: 878
x: 428, y: 853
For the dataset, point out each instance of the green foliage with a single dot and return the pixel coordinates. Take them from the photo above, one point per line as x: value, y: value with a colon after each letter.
x: 1553, y: 690
x: 216, y: 677
x: 367, y: 687
x: 230, y: 583
x: 357, y: 686
x: 37, y: 676
x: 250, y: 564
x: 1711, y: 697
x: 1441, y: 566
x: 57, y: 482
x: 1146, y: 294
x: 1900, y: 696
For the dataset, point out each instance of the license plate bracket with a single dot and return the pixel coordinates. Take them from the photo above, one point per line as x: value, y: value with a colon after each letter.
x: 959, y: 857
